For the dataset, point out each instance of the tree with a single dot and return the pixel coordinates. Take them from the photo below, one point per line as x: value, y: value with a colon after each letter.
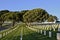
x: 35, y: 15
x: 1, y: 22
x: 3, y: 12
x: 1, y: 17
x: 27, y: 16
x: 21, y: 13
x: 11, y: 16
x: 52, y: 18
x: 55, y: 17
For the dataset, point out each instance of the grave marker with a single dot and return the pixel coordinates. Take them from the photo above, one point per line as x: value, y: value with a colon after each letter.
x: 0, y: 35
x: 44, y: 32
x: 58, y: 36
x: 50, y: 35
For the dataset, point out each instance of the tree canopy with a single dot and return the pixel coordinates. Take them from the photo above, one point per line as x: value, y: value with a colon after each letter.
x: 34, y: 15
x: 38, y: 15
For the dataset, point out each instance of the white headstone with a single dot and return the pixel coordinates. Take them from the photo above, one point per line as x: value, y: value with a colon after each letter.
x: 58, y: 36
x: 50, y: 28
x: 21, y: 38
x: 3, y: 34
x: 53, y: 29
x: 6, y: 33
x: 50, y: 34
x: 58, y: 29
x: 44, y: 32
x: 38, y: 31
x: 41, y: 31
x: 0, y: 35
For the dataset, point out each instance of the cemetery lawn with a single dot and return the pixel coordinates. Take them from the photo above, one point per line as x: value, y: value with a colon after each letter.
x: 27, y: 34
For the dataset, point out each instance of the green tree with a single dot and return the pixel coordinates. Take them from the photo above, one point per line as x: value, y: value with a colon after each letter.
x: 21, y: 13
x: 52, y: 18
x: 35, y: 15
x: 1, y: 17
x: 11, y: 16
x: 1, y: 22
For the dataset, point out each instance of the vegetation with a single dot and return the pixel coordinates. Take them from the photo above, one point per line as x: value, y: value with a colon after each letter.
x: 36, y: 15
x: 27, y: 34
x: 27, y: 16
x: 2, y: 18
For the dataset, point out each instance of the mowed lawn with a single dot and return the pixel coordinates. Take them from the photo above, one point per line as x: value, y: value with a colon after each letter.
x: 15, y: 35
x: 27, y: 34
x: 32, y: 35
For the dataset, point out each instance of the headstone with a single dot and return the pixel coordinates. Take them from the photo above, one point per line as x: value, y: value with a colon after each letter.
x: 0, y: 35
x: 58, y: 29
x: 44, y: 32
x: 38, y: 31
x: 53, y: 29
x: 6, y: 33
x: 21, y: 38
x: 41, y: 31
x: 3, y: 34
x: 58, y: 36
x: 11, y: 30
x: 50, y: 28
x: 50, y: 34
x: 47, y: 28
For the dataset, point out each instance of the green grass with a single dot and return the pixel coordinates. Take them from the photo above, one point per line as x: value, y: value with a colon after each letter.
x: 3, y: 31
x: 32, y: 35
x: 13, y: 35
x: 27, y: 34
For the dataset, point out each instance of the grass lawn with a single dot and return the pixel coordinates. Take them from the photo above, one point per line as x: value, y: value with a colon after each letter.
x: 27, y: 34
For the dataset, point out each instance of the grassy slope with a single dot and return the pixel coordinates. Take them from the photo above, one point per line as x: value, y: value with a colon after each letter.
x: 31, y: 35
x: 13, y: 36
x: 27, y: 35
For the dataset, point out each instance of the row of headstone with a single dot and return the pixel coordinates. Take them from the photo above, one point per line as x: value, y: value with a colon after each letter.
x: 5, y: 33
x: 50, y: 34
x: 42, y: 32
x: 45, y: 33
x: 47, y: 27
x: 32, y: 29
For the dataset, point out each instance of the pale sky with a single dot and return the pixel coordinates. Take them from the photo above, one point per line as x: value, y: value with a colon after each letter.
x: 51, y: 6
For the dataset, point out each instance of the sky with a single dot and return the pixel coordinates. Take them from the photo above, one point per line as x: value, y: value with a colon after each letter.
x: 51, y: 6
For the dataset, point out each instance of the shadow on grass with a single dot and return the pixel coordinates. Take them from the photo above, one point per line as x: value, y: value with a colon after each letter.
x: 37, y: 36
x: 33, y: 36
